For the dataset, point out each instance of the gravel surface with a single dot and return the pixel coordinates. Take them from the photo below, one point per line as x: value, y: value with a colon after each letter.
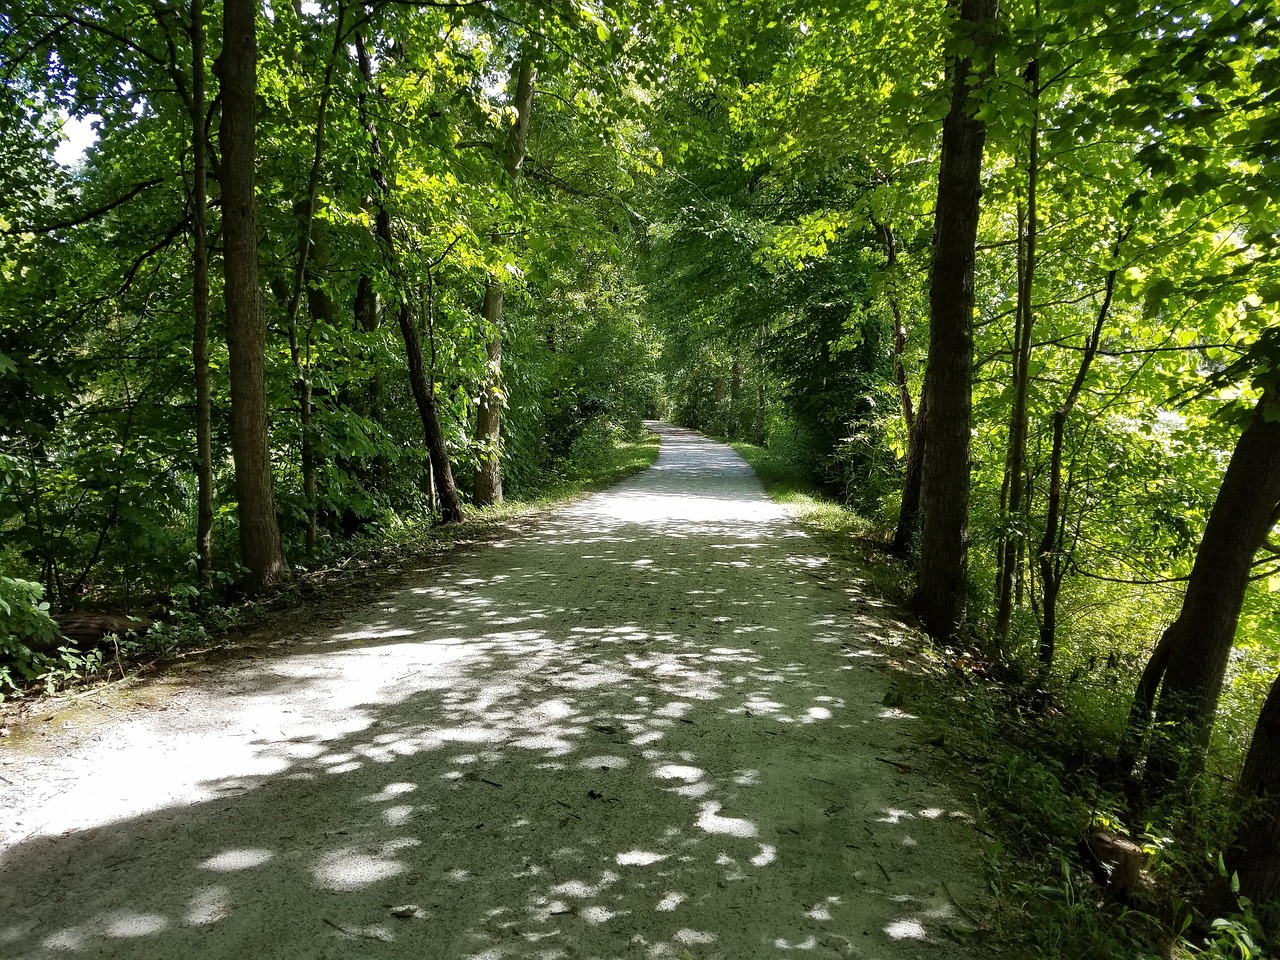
x: 649, y: 727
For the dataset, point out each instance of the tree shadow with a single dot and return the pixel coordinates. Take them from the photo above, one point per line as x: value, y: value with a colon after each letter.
x: 644, y: 730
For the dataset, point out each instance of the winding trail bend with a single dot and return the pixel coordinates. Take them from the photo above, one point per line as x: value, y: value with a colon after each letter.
x: 647, y: 728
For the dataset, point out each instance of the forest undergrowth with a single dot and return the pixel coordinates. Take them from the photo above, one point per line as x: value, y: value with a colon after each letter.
x: 1044, y: 777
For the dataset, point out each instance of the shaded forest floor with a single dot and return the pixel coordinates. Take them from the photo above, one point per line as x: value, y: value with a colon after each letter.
x: 656, y: 723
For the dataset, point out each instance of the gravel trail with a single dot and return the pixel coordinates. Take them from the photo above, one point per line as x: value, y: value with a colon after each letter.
x: 647, y: 728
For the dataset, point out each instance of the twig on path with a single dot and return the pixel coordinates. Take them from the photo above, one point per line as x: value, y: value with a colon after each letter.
x: 884, y: 871
x: 959, y: 906
x: 359, y: 934
x: 98, y: 688
x: 904, y: 767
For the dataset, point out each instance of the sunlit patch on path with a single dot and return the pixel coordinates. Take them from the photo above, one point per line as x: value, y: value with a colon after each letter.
x: 647, y: 728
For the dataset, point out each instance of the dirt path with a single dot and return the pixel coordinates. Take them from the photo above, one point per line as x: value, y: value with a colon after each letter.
x: 646, y: 729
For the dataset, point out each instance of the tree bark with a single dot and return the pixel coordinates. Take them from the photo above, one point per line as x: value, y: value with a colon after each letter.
x: 1200, y: 639
x: 422, y: 386
x: 944, y: 484
x: 488, y: 478
x: 236, y: 67
x: 200, y: 300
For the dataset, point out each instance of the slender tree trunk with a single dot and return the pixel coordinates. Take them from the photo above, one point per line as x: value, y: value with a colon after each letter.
x: 1255, y: 854
x: 1199, y: 641
x: 1052, y: 548
x: 200, y: 300
x: 735, y: 395
x: 944, y: 484
x: 301, y: 359
x: 422, y: 386
x: 260, y: 547
x: 909, y: 513
x: 488, y: 479
x: 1025, y: 327
x: 424, y: 397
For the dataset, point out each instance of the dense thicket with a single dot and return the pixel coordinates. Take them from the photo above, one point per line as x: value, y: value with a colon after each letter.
x: 1004, y: 278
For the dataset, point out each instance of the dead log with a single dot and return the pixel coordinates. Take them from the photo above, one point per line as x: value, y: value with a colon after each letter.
x: 91, y: 629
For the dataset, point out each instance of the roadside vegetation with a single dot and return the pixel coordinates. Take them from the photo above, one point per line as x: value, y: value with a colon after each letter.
x: 1050, y: 802
x: 1001, y: 278
x: 193, y: 620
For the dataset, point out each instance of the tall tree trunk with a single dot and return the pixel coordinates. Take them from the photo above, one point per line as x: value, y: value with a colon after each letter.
x: 488, y: 479
x: 1051, y: 555
x: 200, y: 300
x: 944, y: 483
x: 1198, y: 644
x: 909, y: 513
x: 301, y: 357
x: 1255, y: 854
x: 422, y: 385
x: 1024, y: 328
x: 237, y: 70
x: 1017, y: 454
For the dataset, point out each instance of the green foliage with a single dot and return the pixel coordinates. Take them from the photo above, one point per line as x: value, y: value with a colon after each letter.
x: 724, y: 217
x: 33, y: 650
x: 24, y: 623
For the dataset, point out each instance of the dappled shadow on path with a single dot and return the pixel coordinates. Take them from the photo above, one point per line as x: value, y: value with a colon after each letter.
x: 647, y: 729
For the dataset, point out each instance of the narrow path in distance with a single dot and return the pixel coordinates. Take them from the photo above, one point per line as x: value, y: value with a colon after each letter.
x: 646, y: 728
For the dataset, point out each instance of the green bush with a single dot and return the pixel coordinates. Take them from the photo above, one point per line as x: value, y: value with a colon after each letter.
x: 24, y: 623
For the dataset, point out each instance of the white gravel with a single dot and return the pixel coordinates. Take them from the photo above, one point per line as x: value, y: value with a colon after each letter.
x: 647, y: 728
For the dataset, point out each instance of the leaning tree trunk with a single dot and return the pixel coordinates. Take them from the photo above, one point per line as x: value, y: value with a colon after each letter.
x: 200, y: 300
x: 421, y: 384
x: 1196, y: 648
x: 944, y: 481
x: 488, y: 479
x: 1255, y: 854
x: 260, y: 547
